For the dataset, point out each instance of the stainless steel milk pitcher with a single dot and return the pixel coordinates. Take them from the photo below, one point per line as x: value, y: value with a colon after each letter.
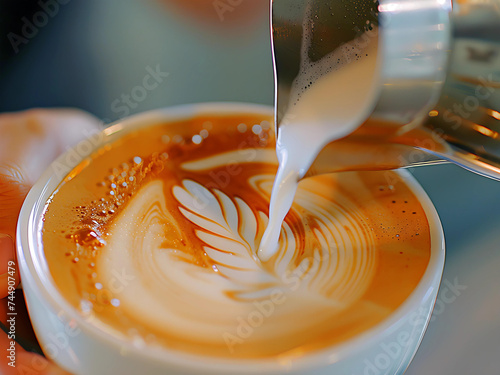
x: 438, y: 78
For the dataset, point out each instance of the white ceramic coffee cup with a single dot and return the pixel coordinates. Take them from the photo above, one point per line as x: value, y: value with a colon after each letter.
x: 80, y: 347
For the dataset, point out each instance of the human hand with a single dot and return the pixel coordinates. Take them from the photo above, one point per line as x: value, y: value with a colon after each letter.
x: 29, y: 142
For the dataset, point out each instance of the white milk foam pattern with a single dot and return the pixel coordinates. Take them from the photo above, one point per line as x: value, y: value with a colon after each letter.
x: 167, y: 288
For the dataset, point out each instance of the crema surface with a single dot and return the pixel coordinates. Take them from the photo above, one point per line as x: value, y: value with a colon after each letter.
x: 154, y: 239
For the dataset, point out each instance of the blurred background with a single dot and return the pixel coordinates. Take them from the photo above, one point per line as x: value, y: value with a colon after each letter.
x: 96, y: 55
x: 89, y: 53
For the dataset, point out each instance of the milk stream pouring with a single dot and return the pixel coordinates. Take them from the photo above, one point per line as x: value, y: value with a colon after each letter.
x: 364, y: 85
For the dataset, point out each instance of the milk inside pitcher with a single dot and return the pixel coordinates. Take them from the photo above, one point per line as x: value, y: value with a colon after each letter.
x: 436, y: 94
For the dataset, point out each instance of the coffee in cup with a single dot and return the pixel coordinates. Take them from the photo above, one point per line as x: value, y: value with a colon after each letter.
x: 153, y: 238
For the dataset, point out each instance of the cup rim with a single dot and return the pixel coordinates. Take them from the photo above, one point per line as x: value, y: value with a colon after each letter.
x: 36, y: 275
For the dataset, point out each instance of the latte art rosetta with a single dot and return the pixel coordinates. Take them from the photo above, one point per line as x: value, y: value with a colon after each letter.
x: 165, y: 252
x: 336, y: 274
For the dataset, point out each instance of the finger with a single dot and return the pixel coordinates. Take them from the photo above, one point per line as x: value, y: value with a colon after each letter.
x: 13, y: 190
x: 31, y: 139
x: 18, y: 361
x: 8, y: 273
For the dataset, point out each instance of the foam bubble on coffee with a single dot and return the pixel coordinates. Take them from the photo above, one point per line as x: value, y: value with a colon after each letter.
x: 330, y: 98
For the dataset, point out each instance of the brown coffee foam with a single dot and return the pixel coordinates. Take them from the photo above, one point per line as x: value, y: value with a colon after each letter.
x: 82, y: 204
